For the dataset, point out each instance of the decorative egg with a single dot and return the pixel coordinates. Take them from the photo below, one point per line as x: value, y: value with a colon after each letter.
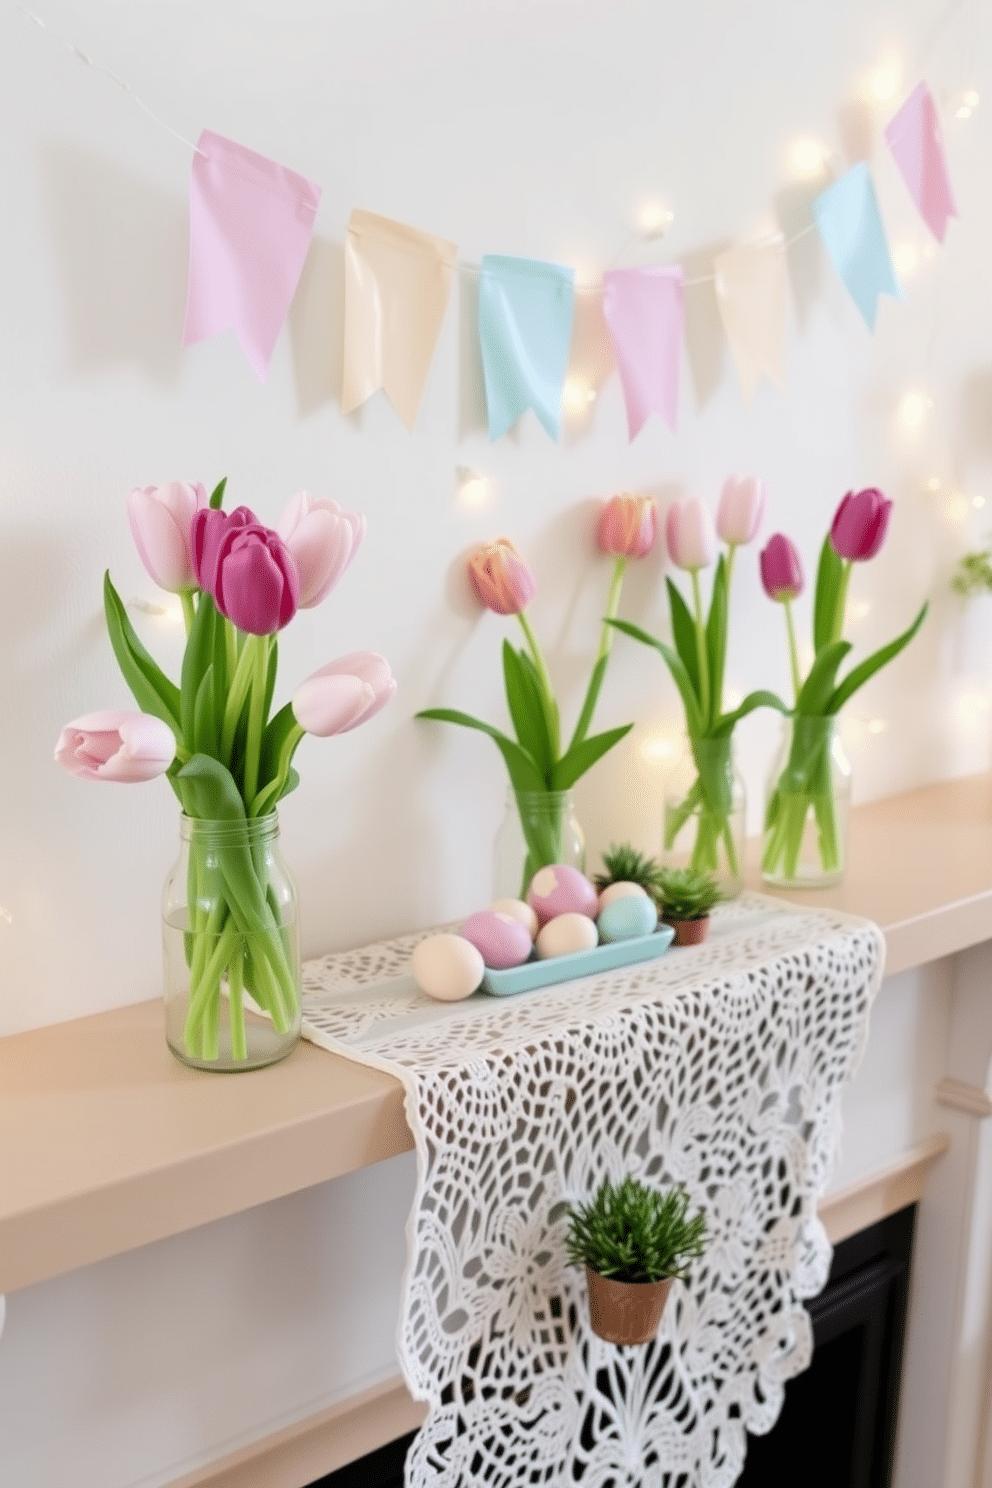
x: 447, y: 967
x: 502, y: 940
x: 623, y: 889
x: 631, y: 915
x: 560, y: 889
x: 517, y: 910
x: 566, y: 934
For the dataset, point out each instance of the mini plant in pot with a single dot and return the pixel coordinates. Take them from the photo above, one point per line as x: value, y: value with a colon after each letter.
x: 622, y: 863
x: 633, y: 1242
x: 686, y: 898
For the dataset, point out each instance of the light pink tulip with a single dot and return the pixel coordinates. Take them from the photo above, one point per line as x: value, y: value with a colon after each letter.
x: 116, y: 745
x: 742, y: 505
x: 161, y: 518
x: 690, y: 534
x: 626, y: 527
x: 343, y: 694
x: 501, y: 578
x: 323, y: 538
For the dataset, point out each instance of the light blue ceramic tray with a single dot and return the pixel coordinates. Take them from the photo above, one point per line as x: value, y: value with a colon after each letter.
x: 533, y: 974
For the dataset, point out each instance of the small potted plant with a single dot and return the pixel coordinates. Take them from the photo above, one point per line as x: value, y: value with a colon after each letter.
x: 686, y: 898
x: 622, y: 863
x: 633, y: 1242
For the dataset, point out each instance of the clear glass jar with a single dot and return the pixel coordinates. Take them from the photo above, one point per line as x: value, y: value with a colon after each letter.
x: 705, y: 809
x: 807, y: 806
x: 539, y: 828
x: 230, y: 938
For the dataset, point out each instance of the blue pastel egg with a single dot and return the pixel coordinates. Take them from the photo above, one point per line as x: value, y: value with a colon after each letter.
x: 626, y: 918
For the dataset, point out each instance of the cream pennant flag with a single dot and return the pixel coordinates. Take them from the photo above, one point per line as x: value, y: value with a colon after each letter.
x: 751, y: 292
x: 397, y: 281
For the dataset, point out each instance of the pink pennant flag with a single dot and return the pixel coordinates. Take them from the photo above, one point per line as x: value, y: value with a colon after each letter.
x: 645, y: 312
x: 250, y: 222
x: 917, y: 143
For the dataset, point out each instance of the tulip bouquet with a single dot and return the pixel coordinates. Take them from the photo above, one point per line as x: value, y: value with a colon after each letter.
x: 228, y: 758
x: 803, y: 793
x: 537, y: 765
x: 697, y: 662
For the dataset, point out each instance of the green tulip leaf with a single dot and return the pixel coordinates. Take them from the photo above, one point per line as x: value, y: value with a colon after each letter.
x: 197, y: 657
x: 526, y: 704
x: 217, y: 494
x: 829, y: 586
x: 716, y: 636
x: 859, y: 675
x: 590, y: 700
x: 211, y: 790
x: 695, y: 723
x: 727, y: 722
x: 524, y: 774
x: 573, y: 765
x: 684, y: 634
x: 206, y: 735
x: 152, y: 690
x: 815, y: 693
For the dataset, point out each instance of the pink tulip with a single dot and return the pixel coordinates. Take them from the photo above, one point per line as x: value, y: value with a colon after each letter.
x: 742, y: 505
x: 501, y: 578
x: 116, y: 745
x: 860, y: 524
x: 247, y: 568
x: 323, y: 539
x: 161, y: 519
x: 690, y: 534
x: 781, y: 569
x: 343, y: 694
x: 627, y: 526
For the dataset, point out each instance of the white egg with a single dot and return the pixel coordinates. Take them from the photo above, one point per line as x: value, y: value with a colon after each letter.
x: 620, y: 890
x: 566, y: 934
x: 447, y: 967
x: 517, y: 910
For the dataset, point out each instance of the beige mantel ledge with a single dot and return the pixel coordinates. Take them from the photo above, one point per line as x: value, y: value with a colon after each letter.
x: 108, y: 1143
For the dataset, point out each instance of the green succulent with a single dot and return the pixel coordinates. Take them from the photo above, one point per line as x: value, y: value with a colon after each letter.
x: 974, y: 573
x: 624, y: 864
x: 634, y: 1233
x: 686, y: 894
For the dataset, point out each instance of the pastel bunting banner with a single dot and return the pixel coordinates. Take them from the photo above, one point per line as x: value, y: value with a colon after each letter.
x: 751, y: 293
x: 397, y: 282
x: 525, y: 330
x: 250, y: 223
x: 644, y: 310
x: 917, y: 144
x: 851, y: 228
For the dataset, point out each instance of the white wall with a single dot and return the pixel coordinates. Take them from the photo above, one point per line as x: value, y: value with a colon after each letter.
x: 522, y: 126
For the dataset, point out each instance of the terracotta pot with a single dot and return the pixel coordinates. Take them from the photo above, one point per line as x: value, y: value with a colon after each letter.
x: 626, y: 1311
x: 690, y: 932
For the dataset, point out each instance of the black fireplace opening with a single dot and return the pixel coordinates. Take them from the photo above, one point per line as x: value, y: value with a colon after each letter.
x: 838, y: 1424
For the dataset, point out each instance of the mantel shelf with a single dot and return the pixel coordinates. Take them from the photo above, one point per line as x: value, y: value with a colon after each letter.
x: 108, y: 1143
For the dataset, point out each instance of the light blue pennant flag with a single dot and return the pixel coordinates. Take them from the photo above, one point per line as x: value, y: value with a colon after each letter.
x: 525, y: 329
x: 851, y: 227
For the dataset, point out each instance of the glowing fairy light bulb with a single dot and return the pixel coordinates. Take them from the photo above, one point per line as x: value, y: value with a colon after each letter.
x: 658, y: 749
x: 576, y: 396
x: 906, y: 258
x: 958, y: 508
x: 883, y: 84
x: 876, y: 725
x: 978, y: 502
x: 654, y: 219
x: 967, y: 104
x: 473, y: 488
x: 912, y: 411
x: 934, y: 484
x: 807, y: 158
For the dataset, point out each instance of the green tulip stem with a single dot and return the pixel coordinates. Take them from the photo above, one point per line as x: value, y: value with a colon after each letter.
x: 790, y: 626
x: 259, y: 647
x: 841, y: 602
x: 704, y: 676
x: 731, y: 555
x: 241, y: 675
x: 599, y: 666
x: 542, y: 672
x: 189, y: 609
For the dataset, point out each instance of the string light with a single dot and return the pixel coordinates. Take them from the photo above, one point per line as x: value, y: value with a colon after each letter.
x: 978, y: 502
x: 858, y: 609
x: 912, y: 411
x: 807, y: 159
x: 657, y: 749
x: 933, y: 484
x: 906, y: 258
x: 876, y: 725
x: 883, y: 84
x: 170, y: 611
x: 967, y: 104
x: 5, y: 914
x: 473, y: 488
x: 957, y: 508
x: 577, y: 395
x: 654, y: 219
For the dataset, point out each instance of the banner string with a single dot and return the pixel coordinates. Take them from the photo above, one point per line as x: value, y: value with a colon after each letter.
x: 87, y: 61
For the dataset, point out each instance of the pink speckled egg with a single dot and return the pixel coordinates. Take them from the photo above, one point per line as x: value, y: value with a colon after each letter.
x: 560, y: 889
x: 500, y: 939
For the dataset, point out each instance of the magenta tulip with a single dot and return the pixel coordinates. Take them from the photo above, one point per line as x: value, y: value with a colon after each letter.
x: 161, y: 519
x: 501, y: 578
x: 247, y: 568
x: 116, y: 745
x: 323, y: 538
x: 690, y: 534
x: 343, y: 694
x: 741, y: 507
x: 860, y: 524
x: 781, y: 569
x: 208, y: 531
x: 627, y: 526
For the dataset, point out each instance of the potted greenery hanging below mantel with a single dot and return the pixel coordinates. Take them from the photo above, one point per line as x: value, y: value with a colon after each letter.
x: 633, y: 1241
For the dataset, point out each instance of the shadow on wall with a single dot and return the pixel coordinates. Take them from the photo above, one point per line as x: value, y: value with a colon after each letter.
x: 316, y: 327
x: 473, y: 417
x: 121, y: 248
x: 804, y: 260
x: 705, y: 338
x: 975, y: 433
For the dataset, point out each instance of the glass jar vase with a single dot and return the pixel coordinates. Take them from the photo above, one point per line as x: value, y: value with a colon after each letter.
x: 539, y: 828
x: 230, y: 936
x: 807, y: 806
x: 705, y: 810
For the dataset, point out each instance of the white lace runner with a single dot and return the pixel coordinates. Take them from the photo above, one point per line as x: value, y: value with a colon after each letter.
x: 719, y: 1068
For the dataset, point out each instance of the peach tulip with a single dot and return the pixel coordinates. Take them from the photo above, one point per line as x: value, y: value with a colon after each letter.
x: 501, y: 578
x: 627, y: 526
